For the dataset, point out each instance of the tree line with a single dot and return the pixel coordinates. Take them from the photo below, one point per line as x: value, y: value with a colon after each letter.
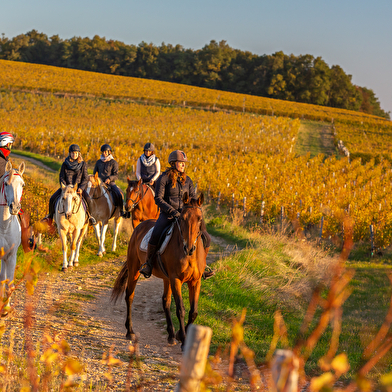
x: 301, y: 78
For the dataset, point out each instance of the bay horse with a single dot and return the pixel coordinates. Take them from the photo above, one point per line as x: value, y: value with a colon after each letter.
x: 11, y: 189
x: 183, y: 261
x: 140, y: 202
x: 71, y: 220
x: 103, y: 210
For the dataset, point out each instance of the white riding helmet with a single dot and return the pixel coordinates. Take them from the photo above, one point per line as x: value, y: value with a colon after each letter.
x: 5, y: 138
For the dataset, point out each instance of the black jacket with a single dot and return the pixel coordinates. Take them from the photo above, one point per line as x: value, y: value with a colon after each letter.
x: 168, y: 198
x: 107, y: 170
x: 72, y: 177
x: 3, y: 163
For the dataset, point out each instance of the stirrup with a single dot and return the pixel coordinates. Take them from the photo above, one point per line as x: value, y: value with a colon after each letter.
x: 146, y: 274
x: 92, y: 220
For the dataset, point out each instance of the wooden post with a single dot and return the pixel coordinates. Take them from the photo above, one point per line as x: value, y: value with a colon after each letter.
x: 281, y: 218
x: 218, y: 202
x: 194, y: 359
x: 321, y: 228
x: 244, y: 207
x: 232, y: 202
x: 284, y: 369
x: 371, y: 240
x: 262, y: 212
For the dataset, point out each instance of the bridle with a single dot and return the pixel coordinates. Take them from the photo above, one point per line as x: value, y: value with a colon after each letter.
x: 4, y: 184
x: 135, y: 201
x: 73, y: 212
x: 193, y: 248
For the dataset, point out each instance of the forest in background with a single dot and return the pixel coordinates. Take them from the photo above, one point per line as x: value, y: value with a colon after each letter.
x: 301, y: 78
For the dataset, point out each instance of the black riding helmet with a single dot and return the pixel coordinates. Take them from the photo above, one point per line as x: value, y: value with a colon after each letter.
x: 73, y: 147
x: 149, y: 147
x: 106, y: 147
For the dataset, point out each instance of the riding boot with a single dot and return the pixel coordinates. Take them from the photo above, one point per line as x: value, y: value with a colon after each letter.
x: 146, y: 268
x: 25, y: 233
x: 91, y: 219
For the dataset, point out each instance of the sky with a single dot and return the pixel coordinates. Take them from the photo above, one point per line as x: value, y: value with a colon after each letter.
x: 355, y: 34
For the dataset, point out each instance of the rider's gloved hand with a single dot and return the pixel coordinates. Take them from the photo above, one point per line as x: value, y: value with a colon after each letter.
x: 176, y: 214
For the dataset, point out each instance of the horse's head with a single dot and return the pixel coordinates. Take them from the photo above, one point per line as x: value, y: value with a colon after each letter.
x: 13, y: 187
x: 190, y: 222
x: 94, y: 186
x: 133, y: 193
x: 70, y: 200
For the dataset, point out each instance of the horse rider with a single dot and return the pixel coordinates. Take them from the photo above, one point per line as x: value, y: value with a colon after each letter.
x: 148, y: 167
x: 169, y: 190
x: 6, y: 142
x: 73, y: 172
x: 107, y: 169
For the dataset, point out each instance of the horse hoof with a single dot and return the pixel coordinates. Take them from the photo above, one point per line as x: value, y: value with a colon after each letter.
x: 171, y: 341
x: 76, y: 264
x: 131, y: 336
x: 178, y: 336
x: 64, y: 269
x: 99, y: 254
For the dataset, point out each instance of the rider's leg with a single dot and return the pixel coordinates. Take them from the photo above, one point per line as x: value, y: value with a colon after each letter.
x: 52, y: 205
x: 160, y: 225
x: 87, y: 197
x: 119, y: 202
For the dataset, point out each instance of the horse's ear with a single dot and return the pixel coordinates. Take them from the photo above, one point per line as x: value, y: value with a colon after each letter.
x: 8, y: 166
x: 185, y: 198
x: 21, y: 169
x: 139, y: 182
x: 96, y: 176
x: 200, y: 200
x: 128, y: 179
x: 63, y: 186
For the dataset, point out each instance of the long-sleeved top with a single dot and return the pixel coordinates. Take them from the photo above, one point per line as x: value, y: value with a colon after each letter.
x: 76, y: 175
x: 107, y: 170
x: 3, y: 163
x: 168, y: 198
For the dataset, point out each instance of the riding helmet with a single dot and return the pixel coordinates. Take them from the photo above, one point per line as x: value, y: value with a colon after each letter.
x: 106, y: 147
x: 177, y: 155
x: 5, y: 138
x: 149, y: 147
x: 74, y: 147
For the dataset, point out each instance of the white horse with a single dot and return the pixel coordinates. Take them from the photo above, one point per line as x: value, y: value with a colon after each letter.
x: 70, y: 218
x: 103, y: 210
x: 11, y: 189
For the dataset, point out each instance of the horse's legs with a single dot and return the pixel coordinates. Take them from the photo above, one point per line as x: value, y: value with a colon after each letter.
x: 101, y: 250
x: 8, y: 264
x: 97, y: 230
x: 79, y: 244
x: 129, y: 295
x: 180, y: 310
x: 166, y: 302
x: 74, y: 240
x: 117, y: 223
x: 194, y: 293
x: 63, y: 236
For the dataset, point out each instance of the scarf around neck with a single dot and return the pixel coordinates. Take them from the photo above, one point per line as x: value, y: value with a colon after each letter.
x: 5, y: 152
x: 74, y: 165
x: 106, y: 159
x: 148, y: 161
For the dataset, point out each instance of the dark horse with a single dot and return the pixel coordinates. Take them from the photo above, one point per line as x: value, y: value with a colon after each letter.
x: 183, y: 260
x: 140, y: 202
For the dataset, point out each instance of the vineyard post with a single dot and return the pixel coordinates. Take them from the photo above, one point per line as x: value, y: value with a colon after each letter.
x: 133, y: 169
x: 232, y: 202
x: 194, y: 359
x: 262, y: 212
x: 196, y: 189
x: 244, y: 207
x: 371, y: 240
x: 321, y: 228
x: 218, y: 202
x: 281, y: 218
x: 208, y: 193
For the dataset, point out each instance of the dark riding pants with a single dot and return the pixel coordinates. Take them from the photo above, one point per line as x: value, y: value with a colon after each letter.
x: 56, y: 195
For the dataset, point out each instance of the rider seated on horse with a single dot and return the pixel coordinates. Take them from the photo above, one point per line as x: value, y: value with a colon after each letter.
x: 6, y: 142
x: 169, y: 190
x: 148, y: 167
x: 73, y: 172
x: 107, y: 169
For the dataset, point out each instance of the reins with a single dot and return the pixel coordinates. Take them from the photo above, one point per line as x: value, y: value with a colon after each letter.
x: 73, y: 212
x: 2, y: 179
x: 136, y: 202
x: 179, y: 228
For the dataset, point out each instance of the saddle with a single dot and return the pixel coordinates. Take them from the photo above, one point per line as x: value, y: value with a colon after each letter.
x: 164, y: 240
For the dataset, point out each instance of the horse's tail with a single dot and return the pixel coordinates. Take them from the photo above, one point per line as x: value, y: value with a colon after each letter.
x: 121, y: 283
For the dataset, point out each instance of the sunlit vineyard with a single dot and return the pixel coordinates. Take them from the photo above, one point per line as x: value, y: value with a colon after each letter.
x: 231, y: 153
x: 35, y: 77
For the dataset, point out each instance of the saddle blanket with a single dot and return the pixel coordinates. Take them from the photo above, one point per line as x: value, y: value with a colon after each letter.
x: 146, y: 239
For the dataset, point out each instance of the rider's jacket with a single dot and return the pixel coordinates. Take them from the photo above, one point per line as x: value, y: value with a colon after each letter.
x: 107, y: 170
x: 168, y: 198
x: 72, y: 173
x: 3, y: 163
x: 148, y: 169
